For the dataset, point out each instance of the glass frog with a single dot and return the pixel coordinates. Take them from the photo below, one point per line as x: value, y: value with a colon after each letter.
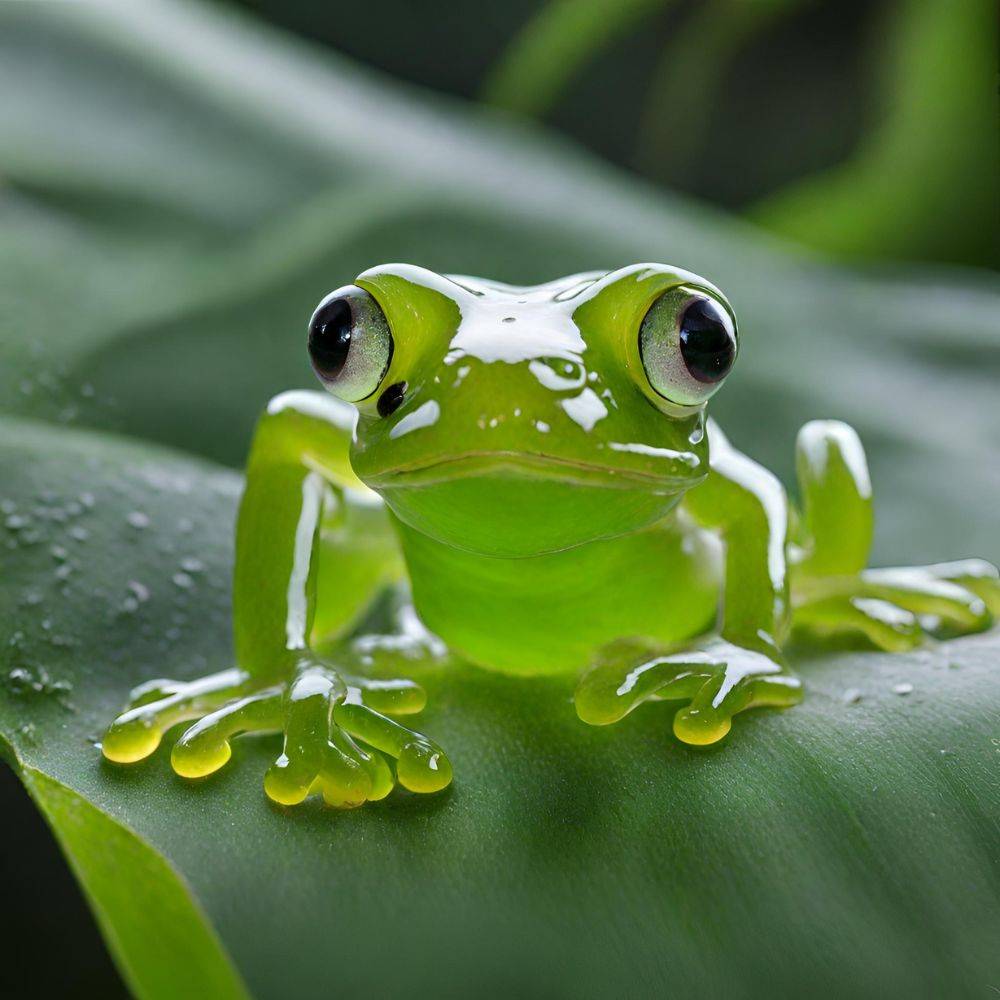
x: 530, y: 474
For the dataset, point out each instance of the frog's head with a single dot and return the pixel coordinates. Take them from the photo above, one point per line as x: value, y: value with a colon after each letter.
x: 517, y: 421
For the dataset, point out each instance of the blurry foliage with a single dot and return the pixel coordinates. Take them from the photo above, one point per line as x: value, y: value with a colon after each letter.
x: 924, y: 181
x: 861, y: 128
x: 179, y: 187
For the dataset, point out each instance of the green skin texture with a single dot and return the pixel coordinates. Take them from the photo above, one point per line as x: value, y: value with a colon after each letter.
x: 533, y: 506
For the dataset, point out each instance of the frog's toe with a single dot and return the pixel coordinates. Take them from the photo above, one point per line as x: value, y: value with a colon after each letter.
x: 339, y: 778
x: 399, y: 696
x: 709, y: 715
x: 942, y: 606
x: 326, y: 768
x: 421, y: 765
x: 884, y: 624
x: 976, y: 576
x: 204, y: 747
x: 625, y: 678
x: 160, y: 705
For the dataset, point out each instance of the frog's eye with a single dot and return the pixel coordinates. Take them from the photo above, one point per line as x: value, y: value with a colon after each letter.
x: 350, y: 345
x: 688, y: 345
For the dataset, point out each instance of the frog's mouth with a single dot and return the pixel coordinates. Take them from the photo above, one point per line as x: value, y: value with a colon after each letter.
x: 682, y: 472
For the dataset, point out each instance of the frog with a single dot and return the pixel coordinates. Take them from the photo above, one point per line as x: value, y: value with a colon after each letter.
x: 525, y: 479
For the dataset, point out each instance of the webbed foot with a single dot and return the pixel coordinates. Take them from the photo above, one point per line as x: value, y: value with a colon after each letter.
x: 717, y: 681
x: 895, y: 609
x: 338, y: 737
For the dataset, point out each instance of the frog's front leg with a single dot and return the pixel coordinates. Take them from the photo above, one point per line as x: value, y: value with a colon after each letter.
x: 742, y: 666
x: 301, y: 502
x: 832, y: 590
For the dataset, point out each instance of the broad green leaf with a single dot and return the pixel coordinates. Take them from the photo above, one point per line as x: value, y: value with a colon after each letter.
x: 839, y: 839
x: 179, y: 188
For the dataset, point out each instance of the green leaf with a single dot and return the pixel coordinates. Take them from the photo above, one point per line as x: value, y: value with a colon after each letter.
x: 180, y: 188
x: 835, y: 837
x: 147, y: 930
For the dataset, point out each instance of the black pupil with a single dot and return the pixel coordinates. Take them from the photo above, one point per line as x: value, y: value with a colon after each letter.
x: 707, y: 346
x: 330, y: 338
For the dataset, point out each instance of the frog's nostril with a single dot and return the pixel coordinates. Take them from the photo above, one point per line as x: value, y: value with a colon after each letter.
x: 391, y: 398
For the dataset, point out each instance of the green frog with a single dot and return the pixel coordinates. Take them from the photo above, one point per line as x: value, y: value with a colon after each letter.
x: 526, y: 478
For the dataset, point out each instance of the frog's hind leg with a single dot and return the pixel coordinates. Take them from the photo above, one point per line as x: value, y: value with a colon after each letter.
x: 832, y: 591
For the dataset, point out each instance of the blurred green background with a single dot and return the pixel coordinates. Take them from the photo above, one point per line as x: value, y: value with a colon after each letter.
x: 863, y: 128
x: 166, y: 230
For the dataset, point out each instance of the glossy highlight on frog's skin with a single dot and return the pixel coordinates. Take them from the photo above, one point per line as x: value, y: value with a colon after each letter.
x: 527, y: 480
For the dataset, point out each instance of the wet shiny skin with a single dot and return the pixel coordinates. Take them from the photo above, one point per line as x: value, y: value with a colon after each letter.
x: 532, y: 504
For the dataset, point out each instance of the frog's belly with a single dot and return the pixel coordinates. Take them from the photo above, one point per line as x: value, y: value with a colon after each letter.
x: 550, y: 614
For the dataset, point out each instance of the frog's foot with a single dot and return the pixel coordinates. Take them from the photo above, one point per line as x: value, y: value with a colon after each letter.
x: 717, y: 681
x: 337, y: 738
x: 338, y: 741
x: 896, y: 608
